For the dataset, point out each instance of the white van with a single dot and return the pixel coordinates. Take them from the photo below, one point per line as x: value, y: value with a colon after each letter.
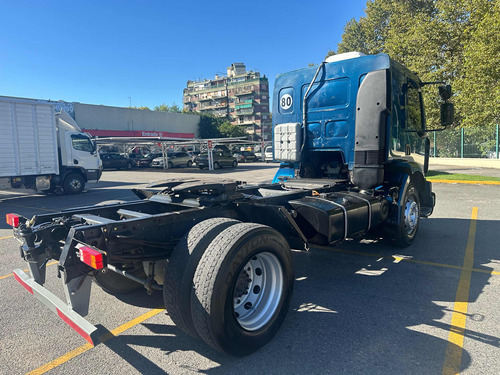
x: 269, y: 154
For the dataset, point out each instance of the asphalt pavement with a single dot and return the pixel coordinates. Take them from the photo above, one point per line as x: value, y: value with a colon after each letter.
x: 360, y: 307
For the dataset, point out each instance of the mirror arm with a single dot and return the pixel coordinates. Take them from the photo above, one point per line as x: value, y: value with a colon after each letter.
x: 434, y: 83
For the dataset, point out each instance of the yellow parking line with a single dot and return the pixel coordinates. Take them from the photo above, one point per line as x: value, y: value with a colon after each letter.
x: 4, y: 238
x: 26, y: 270
x: 477, y: 182
x: 453, y: 356
x: 84, y: 348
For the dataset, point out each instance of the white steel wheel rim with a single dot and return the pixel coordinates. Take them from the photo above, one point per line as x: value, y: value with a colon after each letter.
x: 75, y: 184
x: 412, y: 215
x: 258, y: 291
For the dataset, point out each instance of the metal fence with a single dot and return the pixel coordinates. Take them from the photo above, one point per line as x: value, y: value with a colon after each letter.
x: 480, y: 142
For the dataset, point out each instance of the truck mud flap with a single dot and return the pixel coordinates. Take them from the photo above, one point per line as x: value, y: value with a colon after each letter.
x: 73, y: 319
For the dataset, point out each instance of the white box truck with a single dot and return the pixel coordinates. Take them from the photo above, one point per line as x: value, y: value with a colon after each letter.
x: 44, y: 150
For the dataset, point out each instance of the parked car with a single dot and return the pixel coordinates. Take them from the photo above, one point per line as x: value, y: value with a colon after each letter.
x: 245, y: 156
x: 193, y: 154
x: 146, y: 160
x: 134, y: 158
x: 175, y: 159
x: 269, y: 154
x: 222, y: 158
x: 115, y: 160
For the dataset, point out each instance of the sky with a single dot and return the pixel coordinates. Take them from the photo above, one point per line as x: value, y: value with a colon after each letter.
x: 142, y: 53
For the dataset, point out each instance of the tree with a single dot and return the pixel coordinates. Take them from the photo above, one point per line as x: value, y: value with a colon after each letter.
x: 208, y: 127
x: 229, y: 130
x: 165, y: 108
x: 330, y: 53
x: 441, y: 40
x: 478, y: 86
x: 216, y: 127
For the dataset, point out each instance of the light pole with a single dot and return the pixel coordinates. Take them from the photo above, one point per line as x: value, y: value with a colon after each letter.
x: 129, y: 102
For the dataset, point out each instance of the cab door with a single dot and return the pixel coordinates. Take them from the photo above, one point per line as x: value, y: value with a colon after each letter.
x: 408, y: 133
x: 84, y: 155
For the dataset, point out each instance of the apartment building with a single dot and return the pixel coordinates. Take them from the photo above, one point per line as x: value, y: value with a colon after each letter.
x: 241, y: 97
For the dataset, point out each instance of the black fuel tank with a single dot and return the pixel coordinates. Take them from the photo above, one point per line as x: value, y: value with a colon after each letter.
x: 336, y: 216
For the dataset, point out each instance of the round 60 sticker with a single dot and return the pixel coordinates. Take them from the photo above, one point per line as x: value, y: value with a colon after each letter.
x: 286, y: 101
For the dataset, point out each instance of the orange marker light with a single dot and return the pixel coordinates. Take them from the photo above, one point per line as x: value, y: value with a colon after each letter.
x: 91, y: 257
x: 12, y: 220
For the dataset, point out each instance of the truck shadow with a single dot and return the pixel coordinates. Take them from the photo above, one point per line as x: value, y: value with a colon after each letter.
x: 357, y: 308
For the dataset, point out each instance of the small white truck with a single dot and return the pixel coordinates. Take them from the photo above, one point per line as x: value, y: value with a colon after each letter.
x: 44, y: 150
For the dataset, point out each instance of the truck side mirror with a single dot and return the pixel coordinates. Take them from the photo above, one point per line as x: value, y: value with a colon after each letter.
x: 445, y: 92
x: 447, y: 114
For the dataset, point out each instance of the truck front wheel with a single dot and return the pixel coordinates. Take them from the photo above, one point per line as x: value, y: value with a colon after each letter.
x: 73, y: 183
x: 409, y: 217
x: 242, y: 288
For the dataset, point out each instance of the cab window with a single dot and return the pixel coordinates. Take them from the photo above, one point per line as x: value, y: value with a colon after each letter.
x: 407, y: 125
x: 82, y: 143
x: 414, y: 108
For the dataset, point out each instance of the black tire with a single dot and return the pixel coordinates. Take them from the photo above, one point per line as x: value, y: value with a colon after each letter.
x: 409, y: 217
x: 180, y: 269
x: 129, y: 166
x: 221, y: 280
x: 73, y: 183
x: 200, y: 167
x: 117, y: 284
x: 235, y: 164
x: 170, y: 165
x: 216, y: 165
x: 189, y: 164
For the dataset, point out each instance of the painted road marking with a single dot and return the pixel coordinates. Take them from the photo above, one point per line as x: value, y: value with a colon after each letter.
x: 398, y: 259
x: 453, y: 356
x: 84, y: 348
x: 4, y: 238
x: 26, y: 270
x: 464, y: 182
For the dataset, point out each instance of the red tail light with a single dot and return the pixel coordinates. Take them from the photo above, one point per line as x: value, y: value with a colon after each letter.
x: 91, y: 257
x: 12, y: 220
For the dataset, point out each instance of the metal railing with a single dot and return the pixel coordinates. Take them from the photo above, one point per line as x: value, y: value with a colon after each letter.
x: 478, y: 142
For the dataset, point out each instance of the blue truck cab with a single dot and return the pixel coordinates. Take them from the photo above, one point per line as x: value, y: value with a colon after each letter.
x: 356, y: 117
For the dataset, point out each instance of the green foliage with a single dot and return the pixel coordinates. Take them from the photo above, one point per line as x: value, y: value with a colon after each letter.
x: 438, y: 175
x: 479, y: 84
x: 330, y: 53
x: 455, y: 41
x: 165, y: 108
x: 215, y: 127
x: 229, y: 130
x: 208, y: 127
x: 144, y: 108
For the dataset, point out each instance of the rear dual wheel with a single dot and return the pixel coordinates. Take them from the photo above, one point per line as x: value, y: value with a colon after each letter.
x: 242, y: 288
x: 180, y: 269
x: 240, y: 279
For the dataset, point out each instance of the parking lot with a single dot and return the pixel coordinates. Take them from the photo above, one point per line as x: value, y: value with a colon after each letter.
x: 360, y: 307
